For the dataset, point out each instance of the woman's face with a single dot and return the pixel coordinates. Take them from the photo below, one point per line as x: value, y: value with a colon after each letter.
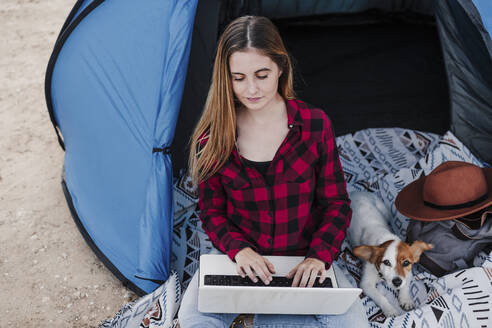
x: 254, y: 78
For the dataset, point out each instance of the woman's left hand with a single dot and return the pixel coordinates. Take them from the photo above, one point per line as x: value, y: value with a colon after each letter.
x: 305, y: 273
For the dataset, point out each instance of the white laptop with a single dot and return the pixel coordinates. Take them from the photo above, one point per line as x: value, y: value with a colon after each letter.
x: 222, y: 298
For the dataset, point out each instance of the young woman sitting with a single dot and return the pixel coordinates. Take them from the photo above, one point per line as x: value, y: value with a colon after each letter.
x: 268, y: 175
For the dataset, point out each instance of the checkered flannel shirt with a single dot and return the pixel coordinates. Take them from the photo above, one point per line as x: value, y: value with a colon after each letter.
x: 306, y: 211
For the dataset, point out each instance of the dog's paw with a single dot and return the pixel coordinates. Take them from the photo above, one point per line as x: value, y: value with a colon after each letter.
x: 406, y: 304
x: 390, y: 312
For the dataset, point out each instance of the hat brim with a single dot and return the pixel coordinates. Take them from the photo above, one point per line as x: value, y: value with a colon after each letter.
x: 410, y: 203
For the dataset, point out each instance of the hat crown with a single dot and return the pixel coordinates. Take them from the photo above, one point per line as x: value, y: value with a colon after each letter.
x: 454, y: 183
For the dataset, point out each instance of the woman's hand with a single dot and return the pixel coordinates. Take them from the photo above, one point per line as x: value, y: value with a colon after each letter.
x: 305, y: 273
x: 249, y: 263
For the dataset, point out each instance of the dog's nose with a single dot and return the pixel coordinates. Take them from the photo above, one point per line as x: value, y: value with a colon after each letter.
x: 396, y: 281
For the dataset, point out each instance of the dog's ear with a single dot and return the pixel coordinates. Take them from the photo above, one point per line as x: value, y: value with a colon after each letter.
x: 366, y: 253
x: 418, y: 247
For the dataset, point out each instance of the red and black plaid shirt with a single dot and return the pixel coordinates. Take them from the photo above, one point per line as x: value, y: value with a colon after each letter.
x: 306, y: 211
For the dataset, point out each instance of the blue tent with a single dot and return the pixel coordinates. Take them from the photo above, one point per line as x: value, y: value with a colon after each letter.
x: 115, y: 87
x: 122, y: 78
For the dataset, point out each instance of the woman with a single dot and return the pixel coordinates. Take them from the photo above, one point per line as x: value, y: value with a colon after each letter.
x: 270, y: 182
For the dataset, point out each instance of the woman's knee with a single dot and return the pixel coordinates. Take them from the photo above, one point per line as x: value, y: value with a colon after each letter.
x: 354, y: 317
x: 188, y: 319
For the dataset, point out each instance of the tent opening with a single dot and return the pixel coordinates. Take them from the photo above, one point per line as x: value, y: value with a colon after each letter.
x: 370, y: 69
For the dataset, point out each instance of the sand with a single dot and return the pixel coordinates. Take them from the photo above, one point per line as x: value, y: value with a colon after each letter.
x: 49, y: 277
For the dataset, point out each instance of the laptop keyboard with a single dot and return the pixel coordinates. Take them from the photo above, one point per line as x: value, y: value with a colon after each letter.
x: 234, y: 280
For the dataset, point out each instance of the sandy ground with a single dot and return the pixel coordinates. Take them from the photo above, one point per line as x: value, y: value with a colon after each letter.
x: 49, y: 277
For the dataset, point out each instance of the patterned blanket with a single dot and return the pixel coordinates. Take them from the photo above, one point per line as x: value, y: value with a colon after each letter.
x: 382, y: 161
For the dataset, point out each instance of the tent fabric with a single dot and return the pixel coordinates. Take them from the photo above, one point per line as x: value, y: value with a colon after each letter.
x: 119, y: 78
x: 467, y: 49
x: 205, y: 34
x: 484, y: 8
x: 292, y: 8
x: 79, y: 7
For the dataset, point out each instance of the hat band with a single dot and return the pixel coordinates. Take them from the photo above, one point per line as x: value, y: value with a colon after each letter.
x: 457, y: 206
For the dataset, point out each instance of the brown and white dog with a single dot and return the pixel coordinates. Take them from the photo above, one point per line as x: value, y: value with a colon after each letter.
x: 385, y: 256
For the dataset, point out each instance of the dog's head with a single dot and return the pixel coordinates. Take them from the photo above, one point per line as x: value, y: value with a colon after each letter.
x: 393, y: 259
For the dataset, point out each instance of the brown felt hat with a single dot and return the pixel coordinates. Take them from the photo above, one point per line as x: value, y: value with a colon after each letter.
x: 452, y: 190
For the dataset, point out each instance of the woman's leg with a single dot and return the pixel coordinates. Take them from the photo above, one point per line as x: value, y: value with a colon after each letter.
x: 286, y: 321
x: 189, y: 316
x: 354, y: 317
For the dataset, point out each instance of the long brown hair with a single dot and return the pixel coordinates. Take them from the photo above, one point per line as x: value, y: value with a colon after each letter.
x: 215, y: 134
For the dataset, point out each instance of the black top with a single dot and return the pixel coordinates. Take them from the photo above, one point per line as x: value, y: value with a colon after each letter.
x: 262, y: 167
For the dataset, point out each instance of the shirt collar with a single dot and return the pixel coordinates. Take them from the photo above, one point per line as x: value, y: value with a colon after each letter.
x: 293, y: 113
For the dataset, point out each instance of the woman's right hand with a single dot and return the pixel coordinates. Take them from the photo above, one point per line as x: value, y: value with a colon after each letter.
x: 249, y: 263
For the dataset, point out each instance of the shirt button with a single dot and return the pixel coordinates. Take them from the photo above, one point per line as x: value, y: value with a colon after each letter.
x: 290, y: 126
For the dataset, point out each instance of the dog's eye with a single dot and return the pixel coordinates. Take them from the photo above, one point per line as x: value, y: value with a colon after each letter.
x: 406, y: 263
x: 387, y: 262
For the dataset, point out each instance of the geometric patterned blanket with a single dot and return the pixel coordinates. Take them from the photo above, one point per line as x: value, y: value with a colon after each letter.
x: 381, y: 161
